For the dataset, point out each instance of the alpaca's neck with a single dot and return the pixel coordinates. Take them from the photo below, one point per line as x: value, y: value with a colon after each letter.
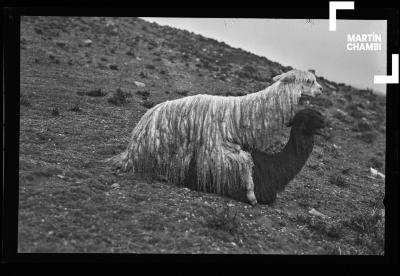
x: 277, y: 170
x: 264, y: 113
x: 295, y: 153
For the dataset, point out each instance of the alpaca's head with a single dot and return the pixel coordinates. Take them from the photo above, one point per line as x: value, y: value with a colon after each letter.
x: 307, y: 122
x: 304, y: 79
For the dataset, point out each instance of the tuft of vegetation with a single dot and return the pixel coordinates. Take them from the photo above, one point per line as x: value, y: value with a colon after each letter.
x: 338, y: 180
x: 23, y: 100
x: 374, y: 162
x: 130, y: 53
x: 182, y: 92
x: 60, y: 44
x: 331, y: 229
x: 362, y: 126
x: 224, y: 220
x: 93, y: 93
x: 148, y: 104
x: 142, y: 74
x: 150, y: 66
x: 342, y: 117
x: 75, y: 108
x: 367, y: 137
x: 38, y: 31
x: 55, y: 112
x: 118, y: 98
x: 321, y: 101
x: 113, y: 66
x: 145, y: 94
x: 370, y: 226
x: 355, y: 110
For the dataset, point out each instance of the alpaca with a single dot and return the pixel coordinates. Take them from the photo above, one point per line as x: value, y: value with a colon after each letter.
x: 211, y: 132
x: 273, y: 172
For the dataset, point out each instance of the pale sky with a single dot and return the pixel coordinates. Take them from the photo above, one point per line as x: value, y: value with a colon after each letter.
x: 296, y: 43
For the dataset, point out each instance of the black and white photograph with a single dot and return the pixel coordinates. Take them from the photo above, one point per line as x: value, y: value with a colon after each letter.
x: 203, y: 135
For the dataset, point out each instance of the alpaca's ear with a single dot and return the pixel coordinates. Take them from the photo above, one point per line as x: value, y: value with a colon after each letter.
x: 285, y: 77
x: 278, y: 77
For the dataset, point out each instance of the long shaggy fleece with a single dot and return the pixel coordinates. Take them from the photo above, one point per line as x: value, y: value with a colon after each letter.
x: 210, y: 133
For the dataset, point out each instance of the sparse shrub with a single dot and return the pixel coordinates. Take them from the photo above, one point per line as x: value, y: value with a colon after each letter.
x: 150, y: 66
x: 163, y: 72
x: 104, y: 59
x: 60, y: 44
x: 70, y: 62
x: 93, y: 93
x: 38, y: 31
x: 142, y: 74
x: 224, y: 220
x: 338, y: 180
x: 369, y: 223
x: 75, y: 108
x: 55, y: 112
x: 182, y: 92
x: 342, y: 117
x: 148, y: 104
x: 362, y: 126
x: 240, y: 93
x: 113, y: 66
x: 101, y: 65
x: 130, y: 53
x: 348, y: 97
x: 321, y: 226
x: 355, y: 111
x: 321, y: 101
x: 118, y: 98
x: 375, y: 163
x: 23, y: 100
x: 145, y: 94
x: 367, y: 137
x: 346, y: 171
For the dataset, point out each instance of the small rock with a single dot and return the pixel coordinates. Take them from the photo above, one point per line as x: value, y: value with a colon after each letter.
x: 87, y: 42
x: 376, y: 173
x: 318, y: 214
x: 139, y: 84
x: 336, y: 146
x: 115, y: 186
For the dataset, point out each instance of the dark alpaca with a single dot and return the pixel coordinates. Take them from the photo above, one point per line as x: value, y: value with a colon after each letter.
x: 272, y: 172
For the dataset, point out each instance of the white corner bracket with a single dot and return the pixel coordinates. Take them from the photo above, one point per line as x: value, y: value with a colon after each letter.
x: 394, y: 78
x: 335, y: 5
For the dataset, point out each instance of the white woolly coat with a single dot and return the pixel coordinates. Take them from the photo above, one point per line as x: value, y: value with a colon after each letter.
x: 211, y: 129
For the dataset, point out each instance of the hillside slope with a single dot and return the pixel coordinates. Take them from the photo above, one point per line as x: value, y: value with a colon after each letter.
x: 85, y: 83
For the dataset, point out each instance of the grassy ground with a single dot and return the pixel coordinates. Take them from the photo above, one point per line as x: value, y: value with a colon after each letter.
x: 79, y: 103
